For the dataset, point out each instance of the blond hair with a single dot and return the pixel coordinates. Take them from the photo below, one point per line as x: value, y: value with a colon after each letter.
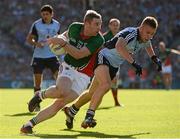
x: 90, y: 14
x: 151, y: 21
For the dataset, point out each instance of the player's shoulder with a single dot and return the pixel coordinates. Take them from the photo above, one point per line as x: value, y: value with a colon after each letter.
x: 100, y: 35
x: 38, y: 21
x: 128, y: 33
x: 128, y: 30
x: 76, y: 25
x: 55, y: 21
x: 105, y: 33
x: 99, y: 38
x: 74, y: 29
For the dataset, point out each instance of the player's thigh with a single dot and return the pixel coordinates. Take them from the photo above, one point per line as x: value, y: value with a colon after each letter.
x: 102, y: 74
x: 81, y: 82
x: 167, y: 75
x: 75, y: 81
x: 104, y: 71
x: 37, y: 65
x: 65, y: 78
x: 63, y: 83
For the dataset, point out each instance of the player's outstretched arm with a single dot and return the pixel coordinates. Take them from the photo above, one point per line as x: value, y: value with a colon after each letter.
x: 121, y: 48
x: 175, y: 51
x: 154, y: 58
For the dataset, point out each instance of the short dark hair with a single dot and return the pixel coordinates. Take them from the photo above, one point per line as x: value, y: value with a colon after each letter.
x: 47, y: 8
x: 114, y: 20
x: 151, y: 21
x: 90, y: 14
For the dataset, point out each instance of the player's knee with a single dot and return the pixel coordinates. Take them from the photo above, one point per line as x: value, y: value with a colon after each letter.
x: 105, y: 86
x: 63, y: 90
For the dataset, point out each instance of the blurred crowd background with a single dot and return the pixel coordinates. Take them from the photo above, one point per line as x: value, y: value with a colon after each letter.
x: 18, y: 15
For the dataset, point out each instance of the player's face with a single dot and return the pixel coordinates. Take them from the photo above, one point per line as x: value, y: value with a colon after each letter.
x: 46, y: 16
x: 114, y: 27
x: 146, y: 32
x: 94, y: 26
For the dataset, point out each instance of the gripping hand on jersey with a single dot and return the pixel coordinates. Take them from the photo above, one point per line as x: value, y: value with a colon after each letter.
x: 138, y: 68
x: 157, y: 61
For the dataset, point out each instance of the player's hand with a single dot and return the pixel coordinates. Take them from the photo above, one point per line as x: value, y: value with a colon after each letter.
x: 138, y: 68
x: 39, y: 44
x: 157, y: 61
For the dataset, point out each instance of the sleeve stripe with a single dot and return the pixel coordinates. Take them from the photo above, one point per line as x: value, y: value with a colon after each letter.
x: 130, y: 36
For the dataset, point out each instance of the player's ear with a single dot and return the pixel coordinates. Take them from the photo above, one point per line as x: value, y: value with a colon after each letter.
x: 52, y: 14
x: 86, y: 22
x: 109, y: 26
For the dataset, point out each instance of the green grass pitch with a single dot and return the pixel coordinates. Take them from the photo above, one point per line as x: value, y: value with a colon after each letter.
x: 146, y: 114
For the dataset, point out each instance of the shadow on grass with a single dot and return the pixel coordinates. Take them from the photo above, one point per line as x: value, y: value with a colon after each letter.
x: 105, y: 108
x: 21, y: 114
x: 88, y: 134
x: 109, y: 107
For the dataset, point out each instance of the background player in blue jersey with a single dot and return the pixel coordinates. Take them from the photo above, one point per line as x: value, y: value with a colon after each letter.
x: 42, y: 29
x: 125, y: 43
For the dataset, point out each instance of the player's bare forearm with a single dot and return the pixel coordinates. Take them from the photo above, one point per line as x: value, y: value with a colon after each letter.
x: 31, y: 40
x: 76, y: 53
x: 150, y: 51
x: 175, y: 51
x: 121, y: 48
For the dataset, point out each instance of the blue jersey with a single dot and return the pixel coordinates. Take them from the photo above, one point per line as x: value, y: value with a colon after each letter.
x: 42, y: 31
x: 131, y: 36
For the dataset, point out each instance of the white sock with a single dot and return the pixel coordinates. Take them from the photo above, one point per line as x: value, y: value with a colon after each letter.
x: 40, y: 95
x: 28, y: 124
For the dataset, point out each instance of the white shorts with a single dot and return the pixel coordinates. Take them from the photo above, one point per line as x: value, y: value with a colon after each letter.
x: 80, y: 81
x: 167, y: 69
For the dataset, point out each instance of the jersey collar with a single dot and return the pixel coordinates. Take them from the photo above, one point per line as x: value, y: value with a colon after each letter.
x: 45, y: 22
x: 83, y: 37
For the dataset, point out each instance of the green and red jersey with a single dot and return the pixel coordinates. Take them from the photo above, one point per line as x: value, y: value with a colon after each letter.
x: 108, y: 35
x: 165, y: 56
x: 78, y: 40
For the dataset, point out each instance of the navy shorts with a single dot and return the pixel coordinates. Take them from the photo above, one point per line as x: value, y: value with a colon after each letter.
x: 101, y: 60
x: 39, y: 64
